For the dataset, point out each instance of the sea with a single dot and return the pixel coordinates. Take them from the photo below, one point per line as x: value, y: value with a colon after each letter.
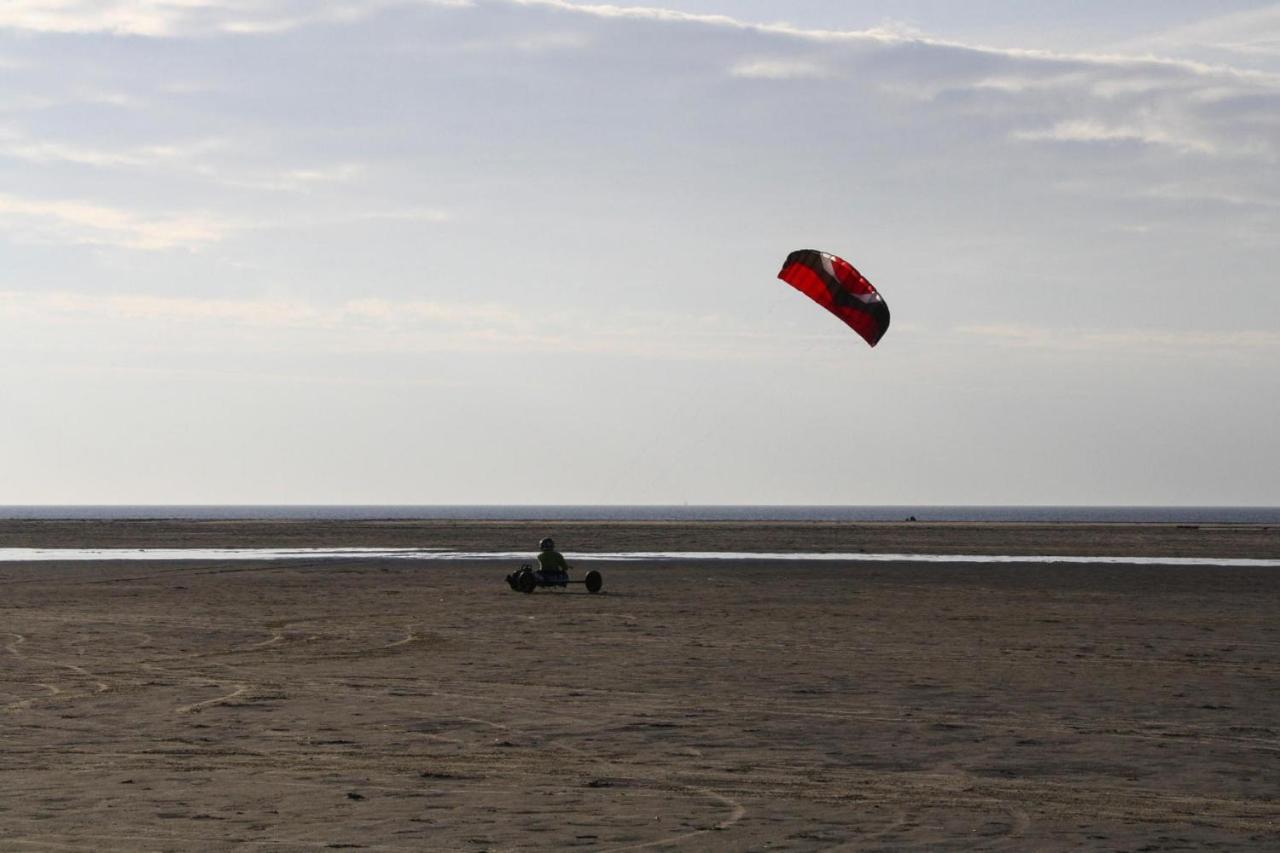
x: 332, y: 512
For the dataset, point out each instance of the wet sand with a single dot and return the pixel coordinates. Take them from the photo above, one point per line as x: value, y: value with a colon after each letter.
x: 752, y: 706
x: 1167, y: 540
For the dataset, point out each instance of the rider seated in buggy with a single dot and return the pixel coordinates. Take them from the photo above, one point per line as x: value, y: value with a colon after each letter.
x: 550, y: 561
x: 551, y: 564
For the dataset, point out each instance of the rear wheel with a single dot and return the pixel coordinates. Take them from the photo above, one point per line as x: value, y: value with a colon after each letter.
x: 594, y: 581
x: 526, y: 582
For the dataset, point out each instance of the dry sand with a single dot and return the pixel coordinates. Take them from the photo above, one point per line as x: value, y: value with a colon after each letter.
x: 752, y: 706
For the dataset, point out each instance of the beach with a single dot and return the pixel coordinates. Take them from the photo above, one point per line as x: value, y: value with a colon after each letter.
x: 385, y: 704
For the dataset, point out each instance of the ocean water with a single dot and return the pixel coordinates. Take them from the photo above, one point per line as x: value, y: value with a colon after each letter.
x: 1113, y: 514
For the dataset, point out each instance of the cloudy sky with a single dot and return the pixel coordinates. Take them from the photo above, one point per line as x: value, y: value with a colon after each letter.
x: 523, y: 251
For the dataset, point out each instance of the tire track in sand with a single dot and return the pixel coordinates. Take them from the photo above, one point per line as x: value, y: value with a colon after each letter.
x: 19, y: 639
x: 737, y: 812
x: 195, y: 707
x: 12, y: 648
x: 409, y: 637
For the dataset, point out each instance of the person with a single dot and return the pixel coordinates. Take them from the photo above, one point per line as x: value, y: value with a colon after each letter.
x: 550, y: 561
x: 551, y: 567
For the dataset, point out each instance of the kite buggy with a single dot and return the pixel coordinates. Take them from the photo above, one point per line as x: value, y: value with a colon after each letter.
x: 552, y: 571
x: 526, y: 579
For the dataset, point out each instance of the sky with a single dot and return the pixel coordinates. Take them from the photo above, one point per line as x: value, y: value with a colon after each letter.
x: 524, y: 251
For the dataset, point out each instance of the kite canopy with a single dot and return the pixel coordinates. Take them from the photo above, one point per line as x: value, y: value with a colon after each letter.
x: 834, y: 284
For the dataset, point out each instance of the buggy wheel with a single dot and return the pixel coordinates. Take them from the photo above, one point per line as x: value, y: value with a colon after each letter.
x: 526, y: 582
x: 594, y: 581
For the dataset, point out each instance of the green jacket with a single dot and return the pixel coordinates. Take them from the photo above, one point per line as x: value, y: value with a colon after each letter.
x: 552, y: 561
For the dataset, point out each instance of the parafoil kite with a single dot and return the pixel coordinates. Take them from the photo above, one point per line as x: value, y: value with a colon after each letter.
x: 834, y: 284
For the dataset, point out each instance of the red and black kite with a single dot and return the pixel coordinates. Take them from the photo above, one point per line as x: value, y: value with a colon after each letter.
x: 834, y: 284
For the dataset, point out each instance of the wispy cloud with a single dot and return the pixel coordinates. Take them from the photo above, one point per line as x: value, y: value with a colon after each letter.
x: 395, y: 325
x: 168, y: 18
x: 1186, y: 191
x: 83, y: 222
x: 781, y: 69
x: 262, y: 313
x: 83, y: 16
x: 283, y: 179
x: 216, y: 161
x: 1179, y: 103
x: 1151, y: 341
x: 1255, y: 31
x: 1172, y: 102
x: 1241, y: 36
x: 895, y: 34
x: 1092, y: 130
x: 21, y: 146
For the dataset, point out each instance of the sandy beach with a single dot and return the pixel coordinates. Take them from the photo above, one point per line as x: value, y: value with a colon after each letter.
x: 395, y: 705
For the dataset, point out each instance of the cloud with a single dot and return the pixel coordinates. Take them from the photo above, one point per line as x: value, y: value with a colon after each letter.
x: 174, y: 18
x: 1183, y: 191
x: 377, y: 324
x: 407, y: 122
x: 888, y: 34
x: 284, y: 179
x: 261, y: 313
x: 1134, y: 341
x: 1092, y: 130
x: 78, y: 222
x: 1248, y: 36
x: 1177, y: 103
x: 212, y: 159
x: 83, y: 222
x: 1255, y: 31
x: 411, y: 214
x: 636, y: 13
x: 85, y: 16
x: 22, y: 146
x: 780, y: 69
x: 69, y: 16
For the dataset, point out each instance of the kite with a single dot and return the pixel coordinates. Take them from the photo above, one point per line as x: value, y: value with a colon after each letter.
x: 834, y: 284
